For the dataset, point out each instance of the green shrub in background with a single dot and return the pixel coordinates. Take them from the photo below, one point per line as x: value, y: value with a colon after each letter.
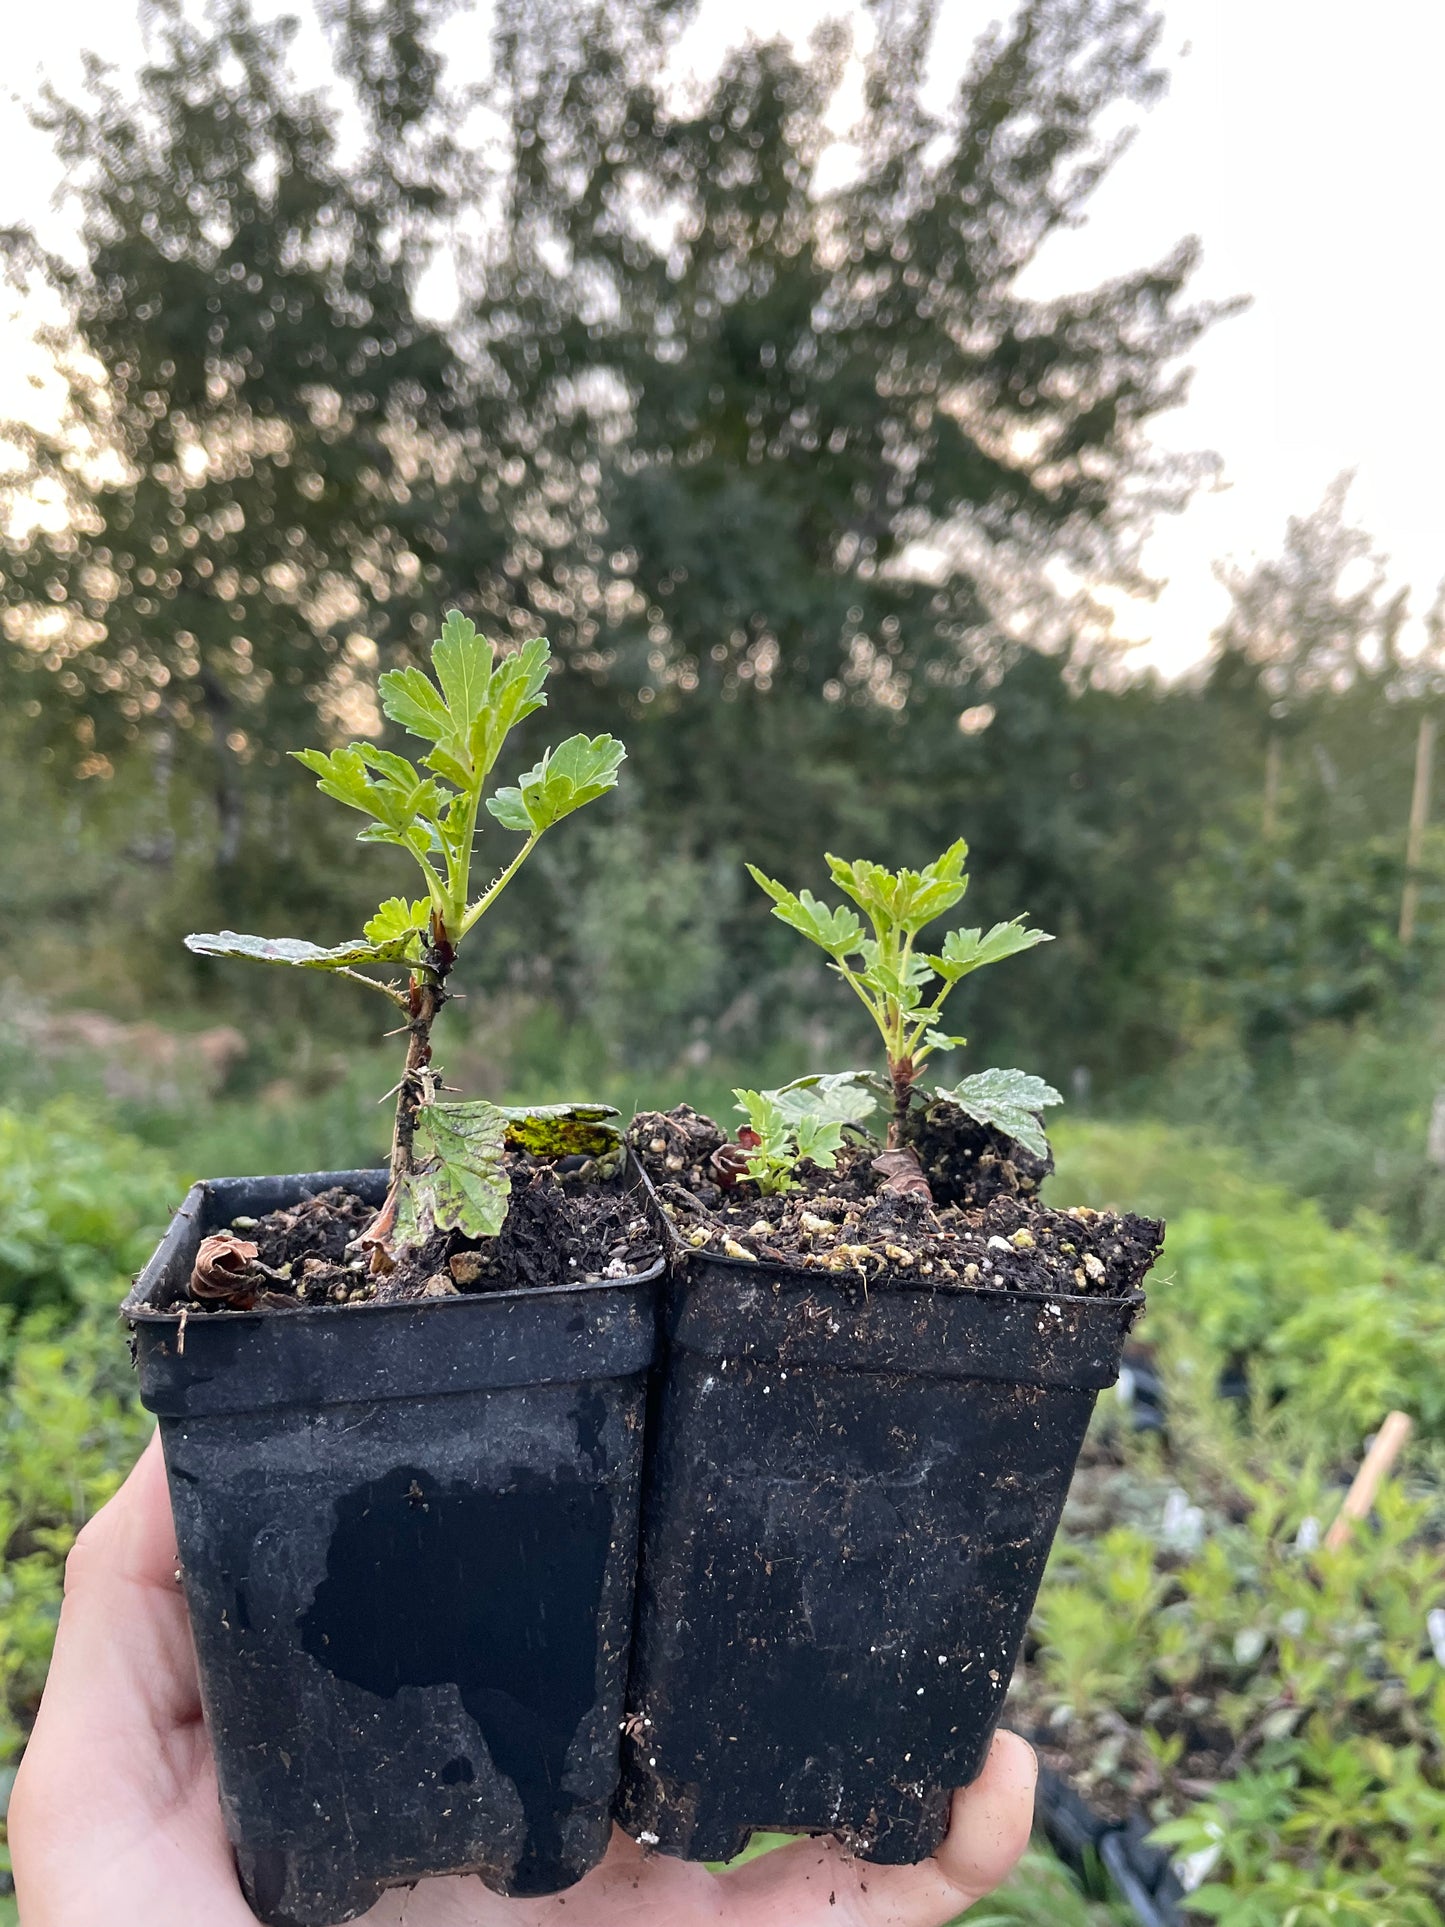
x: 1337, y: 1321
x: 1280, y: 1709
x: 79, y: 1204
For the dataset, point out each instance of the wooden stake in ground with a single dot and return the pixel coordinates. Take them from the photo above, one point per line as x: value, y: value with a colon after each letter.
x: 1390, y: 1442
x: 1419, y: 817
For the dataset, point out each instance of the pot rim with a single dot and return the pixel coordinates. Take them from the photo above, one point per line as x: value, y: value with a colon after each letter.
x: 149, y: 1315
x: 141, y: 1313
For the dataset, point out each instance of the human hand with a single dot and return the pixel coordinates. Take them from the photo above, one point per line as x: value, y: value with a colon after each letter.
x: 114, y: 1815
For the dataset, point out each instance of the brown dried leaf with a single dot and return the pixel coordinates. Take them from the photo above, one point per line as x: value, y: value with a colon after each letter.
x: 902, y: 1174
x: 729, y: 1163
x: 222, y: 1271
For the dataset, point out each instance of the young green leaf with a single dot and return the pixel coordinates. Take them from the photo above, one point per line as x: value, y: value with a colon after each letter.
x: 463, y: 662
x: 575, y: 772
x: 479, y: 700
x: 396, y: 922
x: 819, y: 1139
x: 410, y: 697
x: 933, y: 1040
x: 396, y: 796
x: 787, y: 1130
x: 340, y: 773
x: 832, y: 1097
x: 903, y: 899
x: 900, y: 979
x: 517, y: 689
x: 837, y: 931
x: 967, y: 950
x: 1009, y: 1101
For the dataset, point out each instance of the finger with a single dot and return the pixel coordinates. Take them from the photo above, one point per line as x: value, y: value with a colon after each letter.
x: 815, y: 1883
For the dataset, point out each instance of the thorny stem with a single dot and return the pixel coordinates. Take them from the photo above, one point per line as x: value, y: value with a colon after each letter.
x: 427, y: 994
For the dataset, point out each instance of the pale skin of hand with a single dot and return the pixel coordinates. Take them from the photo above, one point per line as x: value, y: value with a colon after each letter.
x: 114, y: 1815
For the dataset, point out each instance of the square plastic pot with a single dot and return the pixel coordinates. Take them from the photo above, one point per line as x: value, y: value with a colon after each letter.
x: 850, y: 1500
x: 408, y: 1540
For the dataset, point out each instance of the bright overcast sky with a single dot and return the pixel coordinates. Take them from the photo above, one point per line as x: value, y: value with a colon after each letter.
x: 1301, y: 142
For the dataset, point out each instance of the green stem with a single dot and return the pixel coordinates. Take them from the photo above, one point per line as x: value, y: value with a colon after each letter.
x: 459, y: 869
x: 927, y: 1017
x: 867, y: 1002
x: 484, y: 903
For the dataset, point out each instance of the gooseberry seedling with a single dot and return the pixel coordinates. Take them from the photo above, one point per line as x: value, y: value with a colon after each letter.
x: 447, y: 1164
x: 904, y: 987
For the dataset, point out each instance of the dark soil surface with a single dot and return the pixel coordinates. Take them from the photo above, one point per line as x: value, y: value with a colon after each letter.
x: 983, y: 1227
x: 560, y: 1230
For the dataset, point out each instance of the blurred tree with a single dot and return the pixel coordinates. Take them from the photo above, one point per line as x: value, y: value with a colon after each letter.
x: 756, y: 425
x: 797, y: 444
x: 259, y: 434
x: 1317, y: 616
x: 1315, y: 619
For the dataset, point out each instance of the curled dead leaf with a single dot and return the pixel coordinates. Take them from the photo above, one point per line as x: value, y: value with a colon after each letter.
x: 729, y: 1163
x: 374, y: 1244
x: 222, y: 1272
x: 902, y: 1174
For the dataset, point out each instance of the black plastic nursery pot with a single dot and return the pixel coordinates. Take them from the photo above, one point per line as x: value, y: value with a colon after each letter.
x: 408, y: 1539
x: 849, y: 1504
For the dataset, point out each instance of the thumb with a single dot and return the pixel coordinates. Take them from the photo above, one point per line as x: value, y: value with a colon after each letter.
x: 815, y: 1883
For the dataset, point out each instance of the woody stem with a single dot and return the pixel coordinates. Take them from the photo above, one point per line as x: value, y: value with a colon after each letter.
x: 426, y: 999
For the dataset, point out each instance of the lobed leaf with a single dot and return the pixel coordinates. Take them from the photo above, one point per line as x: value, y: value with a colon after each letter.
x: 517, y: 689
x: 293, y: 950
x: 397, y: 796
x: 901, y: 979
x: 397, y: 922
x: 340, y: 773
x: 575, y: 772
x: 460, y: 1181
x: 968, y: 950
x: 1009, y: 1101
x: 410, y: 697
x: 475, y: 702
x: 830, y: 1097
x: 836, y: 931
x: 462, y: 660
x: 941, y: 1040
x: 819, y: 1139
